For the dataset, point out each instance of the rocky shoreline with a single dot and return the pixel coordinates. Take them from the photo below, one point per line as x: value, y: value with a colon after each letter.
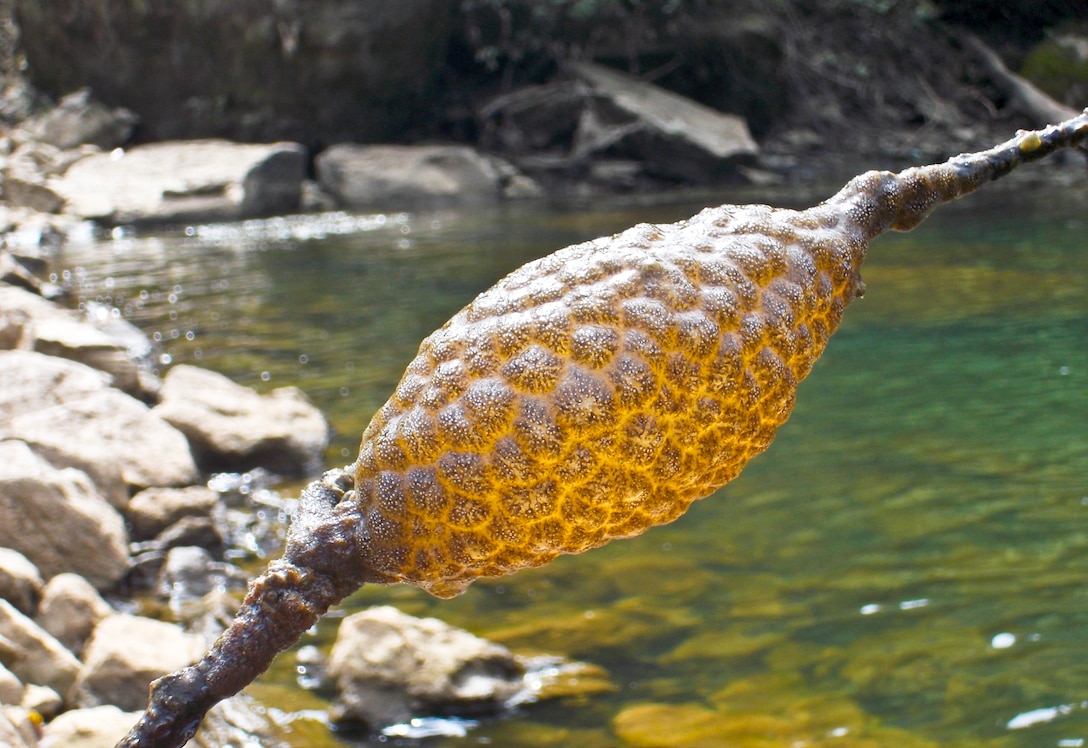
x: 115, y: 483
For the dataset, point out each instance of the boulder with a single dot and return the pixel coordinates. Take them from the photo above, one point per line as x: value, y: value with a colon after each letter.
x: 154, y: 509
x: 41, y: 658
x: 28, y: 189
x: 95, y: 727
x: 42, y: 700
x: 99, y: 342
x: 11, y: 688
x: 68, y: 414
x: 401, y: 177
x: 670, y: 135
x: 56, y: 519
x: 77, y: 120
x: 69, y: 610
x: 232, y: 428
x: 20, y: 581
x: 305, y: 70
x: 182, y: 181
x: 124, y: 654
x: 389, y: 667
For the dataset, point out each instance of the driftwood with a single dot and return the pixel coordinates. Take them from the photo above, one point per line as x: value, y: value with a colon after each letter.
x: 587, y: 396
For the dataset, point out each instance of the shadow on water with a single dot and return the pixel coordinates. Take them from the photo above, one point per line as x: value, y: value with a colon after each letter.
x: 906, y: 566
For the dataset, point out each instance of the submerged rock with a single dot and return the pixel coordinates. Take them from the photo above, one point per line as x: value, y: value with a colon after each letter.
x: 390, y: 667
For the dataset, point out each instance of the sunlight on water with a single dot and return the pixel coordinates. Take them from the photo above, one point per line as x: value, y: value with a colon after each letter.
x: 907, y: 565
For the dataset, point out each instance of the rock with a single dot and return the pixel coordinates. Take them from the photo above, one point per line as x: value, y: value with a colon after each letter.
x: 232, y: 428
x: 57, y: 520
x: 17, y: 727
x: 236, y: 721
x: 672, y: 136
x: 67, y: 413
x: 102, y: 344
x: 390, y: 667
x: 11, y: 688
x: 181, y: 181
x: 14, y: 271
x: 42, y: 659
x: 95, y: 727
x: 79, y: 341
x: 70, y: 608
x: 42, y: 700
x: 77, y: 120
x: 313, y: 71
x: 20, y: 581
x: 189, y: 573
x: 400, y: 177
x: 154, y: 509
x: 201, y: 532
x: 124, y: 654
x: 9, y: 651
x: 29, y: 190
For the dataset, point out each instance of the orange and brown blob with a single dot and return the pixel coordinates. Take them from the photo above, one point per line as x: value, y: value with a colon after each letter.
x: 599, y: 391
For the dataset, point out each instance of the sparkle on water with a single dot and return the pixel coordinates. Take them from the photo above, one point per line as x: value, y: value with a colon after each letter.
x: 906, y: 566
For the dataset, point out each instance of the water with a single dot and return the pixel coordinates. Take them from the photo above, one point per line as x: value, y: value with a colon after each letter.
x: 906, y: 566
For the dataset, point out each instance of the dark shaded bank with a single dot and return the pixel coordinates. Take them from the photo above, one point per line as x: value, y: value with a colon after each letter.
x: 903, y: 79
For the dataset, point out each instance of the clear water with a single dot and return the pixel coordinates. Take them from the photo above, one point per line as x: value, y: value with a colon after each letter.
x: 907, y: 565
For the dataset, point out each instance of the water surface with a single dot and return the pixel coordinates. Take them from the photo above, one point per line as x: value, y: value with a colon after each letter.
x: 906, y: 566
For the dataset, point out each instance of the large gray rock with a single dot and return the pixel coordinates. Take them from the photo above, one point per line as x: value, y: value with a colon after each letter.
x: 231, y: 427
x: 389, y: 667
x: 125, y: 653
x: 69, y: 610
x: 57, y: 520
x: 309, y: 70
x: 670, y: 135
x: 41, y: 658
x: 176, y: 182
x: 68, y: 414
x: 20, y: 581
x: 399, y: 177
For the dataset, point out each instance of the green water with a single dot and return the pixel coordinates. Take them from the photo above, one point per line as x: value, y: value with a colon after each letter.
x: 906, y: 566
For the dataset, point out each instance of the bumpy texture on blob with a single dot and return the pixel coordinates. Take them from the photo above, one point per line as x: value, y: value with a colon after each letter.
x: 600, y: 390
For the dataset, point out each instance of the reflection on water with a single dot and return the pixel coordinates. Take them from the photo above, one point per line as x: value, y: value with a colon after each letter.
x: 906, y: 566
